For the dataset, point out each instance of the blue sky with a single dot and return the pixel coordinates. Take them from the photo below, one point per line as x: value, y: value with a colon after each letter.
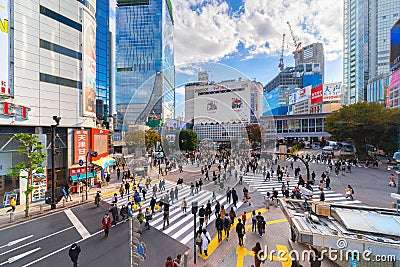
x: 247, y: 35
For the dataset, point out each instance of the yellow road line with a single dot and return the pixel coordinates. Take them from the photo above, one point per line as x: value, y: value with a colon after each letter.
x: 276, y: 221
x: 242, y: 252
x: 214, y: 243
x: 284, y: 256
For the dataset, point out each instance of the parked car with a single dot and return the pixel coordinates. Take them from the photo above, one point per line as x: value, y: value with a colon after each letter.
x: 327, y: 150
x: 316, y: 145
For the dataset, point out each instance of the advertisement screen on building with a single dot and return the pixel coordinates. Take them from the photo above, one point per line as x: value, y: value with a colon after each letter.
x: 222, y: 106
x: 5, y: 48
x: 89, y: 67
x: 332, y: 91
x: 395, y: 44
x: 99, y: 142
x: 316, y: 95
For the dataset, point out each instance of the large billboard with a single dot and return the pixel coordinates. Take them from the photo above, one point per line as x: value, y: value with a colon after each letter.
x: 303, y: 94
x: 395, y: 44
x: 4, y: 48
x: 332, y: 91
x: 316, y: 95
x: 81, y: 145
x: 89, y: 66
x: 221, y: 104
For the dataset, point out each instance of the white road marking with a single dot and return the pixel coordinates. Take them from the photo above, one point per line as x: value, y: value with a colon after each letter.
x: 20, y: 256
x: 78, y: 225
x: 9, y: 244
x: 27, y: 244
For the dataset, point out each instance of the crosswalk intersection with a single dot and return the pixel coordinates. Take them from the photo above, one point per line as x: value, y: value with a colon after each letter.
x: 180, y: 225
x: 258, y: 183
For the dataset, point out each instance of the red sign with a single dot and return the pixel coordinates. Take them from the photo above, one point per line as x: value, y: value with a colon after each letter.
x: 79, y: 170
x: 14, y: 110
x: 316, y: 95
x: 81, y: 144
x: 3, y: 88
x: 99, y: 142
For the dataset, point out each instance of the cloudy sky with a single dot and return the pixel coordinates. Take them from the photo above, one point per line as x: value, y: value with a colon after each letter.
x: 247, y: 34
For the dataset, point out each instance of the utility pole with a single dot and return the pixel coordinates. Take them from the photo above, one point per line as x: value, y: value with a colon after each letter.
x: 53, y: 161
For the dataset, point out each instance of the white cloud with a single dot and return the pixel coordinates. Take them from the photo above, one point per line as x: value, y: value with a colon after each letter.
x: 209, y: 30
x: 180, y: 90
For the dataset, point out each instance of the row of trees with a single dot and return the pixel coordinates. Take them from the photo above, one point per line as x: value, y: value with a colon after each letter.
x: 186, y: 140
x: 366, y: 123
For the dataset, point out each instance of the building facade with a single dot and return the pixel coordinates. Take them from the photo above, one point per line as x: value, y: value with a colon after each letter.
x: 366, y: 44
x: 145, y: 77
x: 313, y: 59
x: 105, y: 61
x: 48, y: 62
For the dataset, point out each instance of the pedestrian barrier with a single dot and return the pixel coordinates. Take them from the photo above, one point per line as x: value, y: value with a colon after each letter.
x: 11, y: 217
x: 185, y: 259
x: 40, y: 208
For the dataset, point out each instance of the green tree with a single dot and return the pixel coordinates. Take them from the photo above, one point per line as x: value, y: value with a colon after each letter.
x: 151, y: 138
x: 134, y: 140
x: 365, y: 123
x: 188, y: 140
x: 31, y: 147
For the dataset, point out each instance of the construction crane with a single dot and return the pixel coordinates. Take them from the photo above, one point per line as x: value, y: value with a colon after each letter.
x: 296, y: 43
x: 281, y: 64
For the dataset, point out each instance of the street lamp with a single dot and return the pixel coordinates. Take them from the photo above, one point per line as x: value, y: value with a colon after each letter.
x: 93, y: 154
x: 53, y: 161
x: 195, y: 207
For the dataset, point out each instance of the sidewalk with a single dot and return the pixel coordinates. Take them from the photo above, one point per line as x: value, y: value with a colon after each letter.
x: 39, y: 209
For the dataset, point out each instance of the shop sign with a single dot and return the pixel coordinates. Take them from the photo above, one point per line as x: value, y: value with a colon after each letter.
x: 81, y: 144
x: 78, y: 171
x: 14, y: 110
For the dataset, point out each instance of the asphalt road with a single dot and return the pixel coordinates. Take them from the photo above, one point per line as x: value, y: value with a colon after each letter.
x: 45, y: 241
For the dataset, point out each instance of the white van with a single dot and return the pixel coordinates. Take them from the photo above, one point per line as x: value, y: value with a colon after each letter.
x: 327, y: 150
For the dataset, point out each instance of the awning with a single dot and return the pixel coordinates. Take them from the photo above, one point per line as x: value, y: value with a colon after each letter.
x: 82, y: 176
x: 104, y: 162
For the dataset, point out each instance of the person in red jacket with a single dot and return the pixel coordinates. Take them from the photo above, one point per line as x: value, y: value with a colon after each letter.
x: 169, y: 262
x: 244, y: 218
x: 106, y: 221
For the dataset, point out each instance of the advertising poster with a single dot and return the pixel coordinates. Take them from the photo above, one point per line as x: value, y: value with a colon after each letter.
x: 81, y: 144
x: 39, y: 183
x: 212, y: 106
x: 4, y: 47
x: 395, y: 44
x: 89, y: 67
x: 237, y: 104
x: 292, y: 99
x: 316, y: 95
x: 303, y: 94
x: 332, y: 92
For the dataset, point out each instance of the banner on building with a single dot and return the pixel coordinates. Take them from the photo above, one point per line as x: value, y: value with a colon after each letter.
x: 292, y: 99
x: 237, y: 104
x: 212, y: 106
x: 81, y: 145
x: 303, y: 94
x: 316, y: 95
x: 5, y: 89
x: 332, y: 91
x: 89, y: 66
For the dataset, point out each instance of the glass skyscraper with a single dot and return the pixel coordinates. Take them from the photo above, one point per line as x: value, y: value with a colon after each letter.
x: 105, y: 36
x: 145, y: 77
x: 367, y: 26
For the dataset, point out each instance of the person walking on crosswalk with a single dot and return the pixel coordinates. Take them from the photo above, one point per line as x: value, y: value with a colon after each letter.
x: 166, y: 215
x: 171, y: 195
x: 202, y: 214
x: 321, y: 195
x: 176, y: 192
x: 228, y: 195
x: 219, y: 225
x: 227, y: 226
x: 240, y: 230
x: 191, y: 189
x: 206, y: 239
x: 154, y: 191
x: 184, y: 206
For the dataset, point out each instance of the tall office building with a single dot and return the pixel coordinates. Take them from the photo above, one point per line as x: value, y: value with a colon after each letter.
x: 366, y: 44
x: 312, y: 58
x: 145, y: 77
x: 105, y: 60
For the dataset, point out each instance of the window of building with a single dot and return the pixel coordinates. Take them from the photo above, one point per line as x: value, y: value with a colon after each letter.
x: 56, y: 16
